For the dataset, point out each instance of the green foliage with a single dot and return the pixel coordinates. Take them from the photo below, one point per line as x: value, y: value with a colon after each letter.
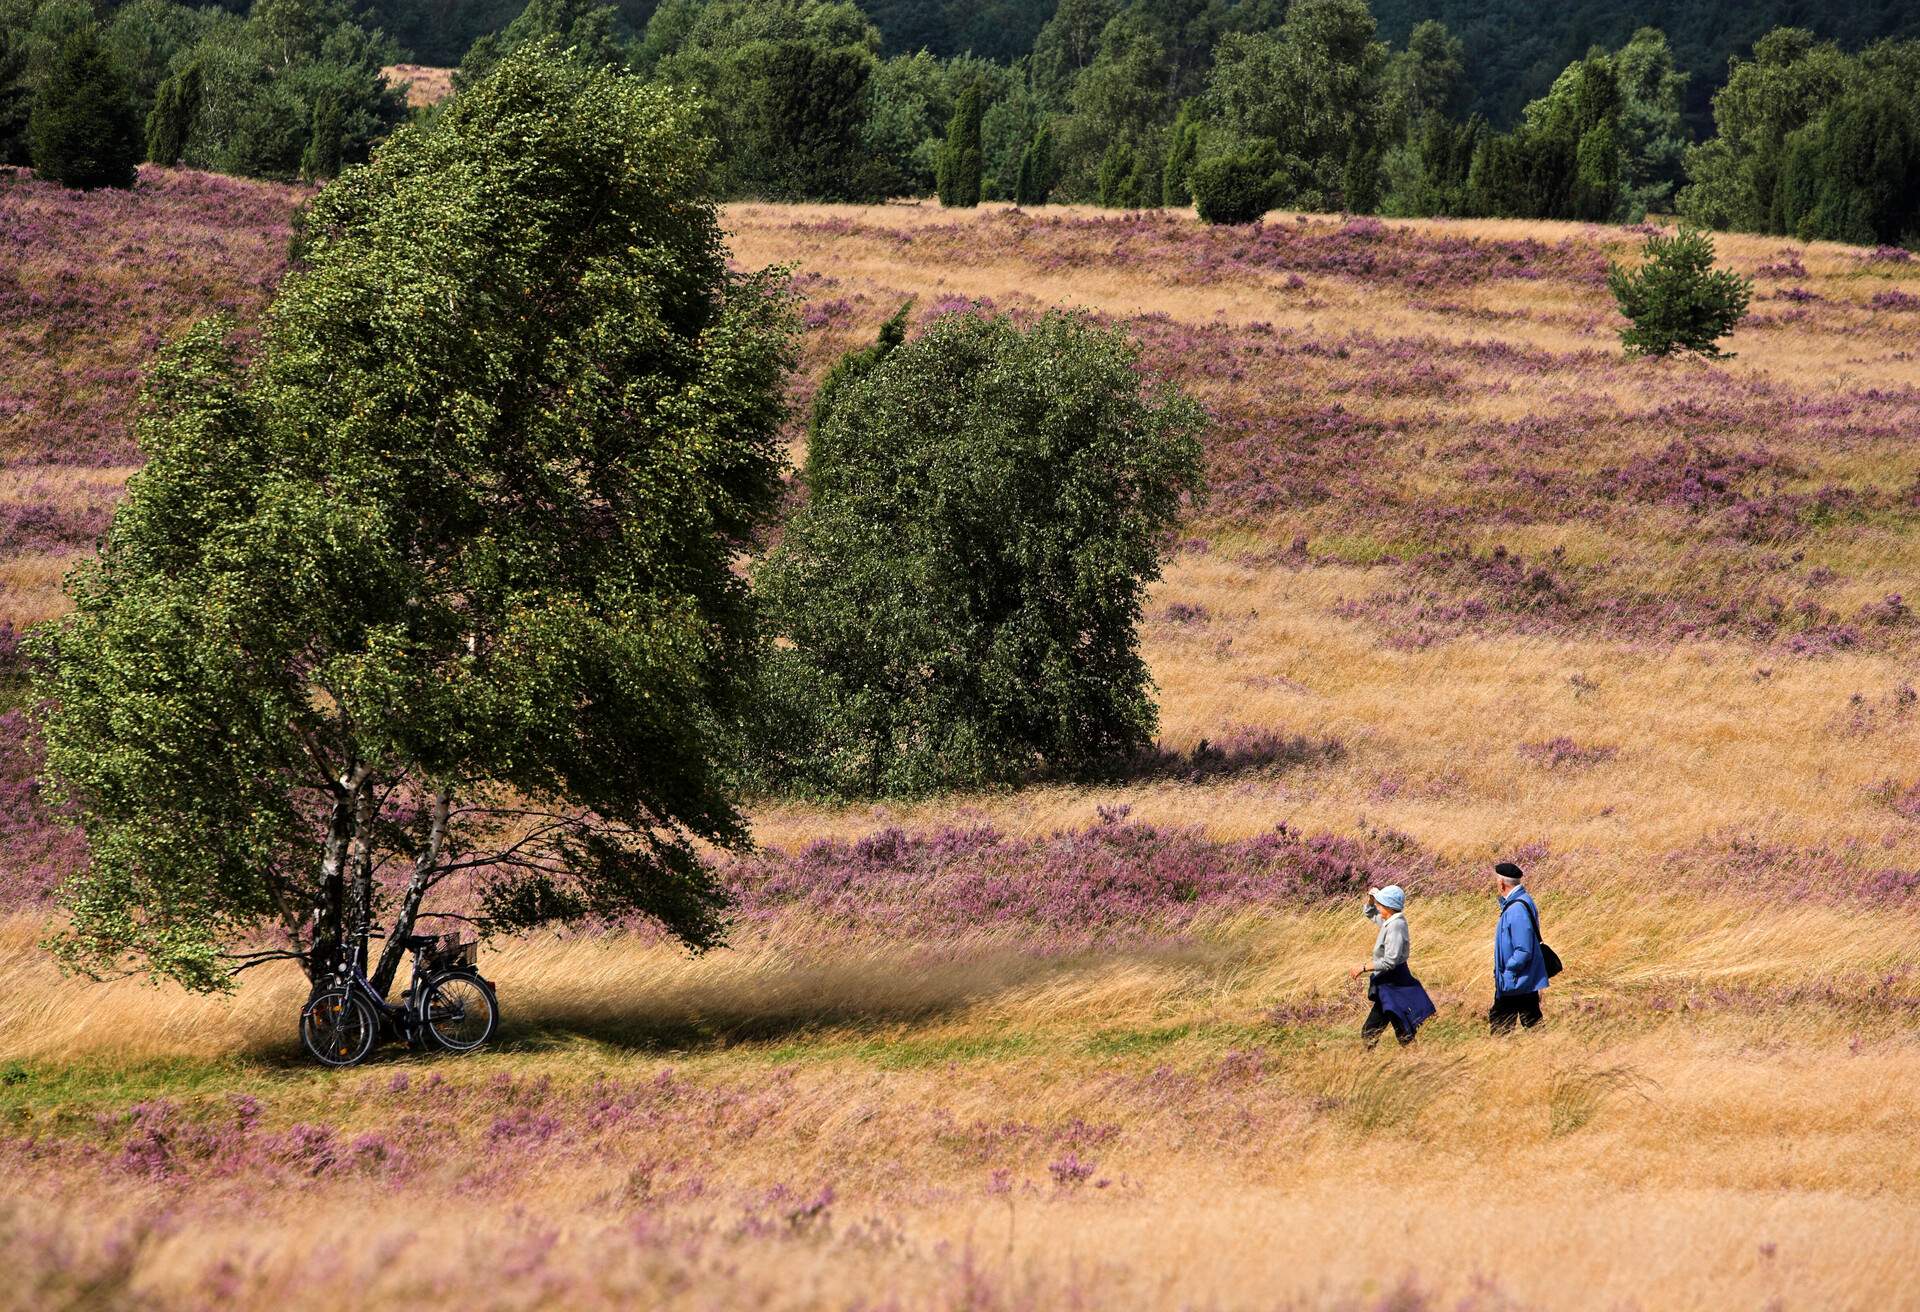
x: 1315, y: 90
x: 846, y: 371
x: 798, y: 137
x: 1428, y: 173
x: 961, y: 161
x: 175, y: 106
x: 962, y: 587
x: 16, y: 98
x: 1854, y: 173
x: 85, y: 131
x: 591, y: 31
x: 1676, y: 301
x: 1426, y: 78
x: 245, y: 95
x: 785, y: 83
x: 1563, y: 160
x: 1036, y: 170
x: 1652, y: 131
x: 1176, y: 182
x: 1789, y: 81
x: 1127, y: 179
x: 1121, y: 101
x: 442, y: 576
x: 907, y: 103
x: 1237, y: 186
x: 1515, y: 48
x: 322, y: 156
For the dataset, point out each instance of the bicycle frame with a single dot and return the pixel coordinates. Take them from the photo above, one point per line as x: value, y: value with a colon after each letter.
x: 401, y: 1017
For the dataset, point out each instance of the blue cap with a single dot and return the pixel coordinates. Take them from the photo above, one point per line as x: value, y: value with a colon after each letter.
x: 1392, y: 897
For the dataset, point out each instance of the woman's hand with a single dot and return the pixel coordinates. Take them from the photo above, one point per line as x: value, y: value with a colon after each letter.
x: 1358, y: 971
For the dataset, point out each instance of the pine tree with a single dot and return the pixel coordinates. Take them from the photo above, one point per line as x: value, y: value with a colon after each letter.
x: 85, y: 130
x: 1676, y: 301
x: 962, y: 163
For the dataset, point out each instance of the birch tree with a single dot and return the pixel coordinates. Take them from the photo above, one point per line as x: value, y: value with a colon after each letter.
x: 431, y: 587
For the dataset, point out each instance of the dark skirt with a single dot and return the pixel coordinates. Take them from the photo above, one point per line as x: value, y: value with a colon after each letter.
x: 1400, y: 994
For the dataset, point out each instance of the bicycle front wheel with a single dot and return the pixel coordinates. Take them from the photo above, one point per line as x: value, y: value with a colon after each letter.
x: 458, y: 1011
x: 338, y: 1028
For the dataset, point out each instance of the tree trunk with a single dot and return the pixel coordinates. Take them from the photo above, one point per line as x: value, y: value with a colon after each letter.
x: 424, y: 866
x: 329, y: 915
x: 360, y: 869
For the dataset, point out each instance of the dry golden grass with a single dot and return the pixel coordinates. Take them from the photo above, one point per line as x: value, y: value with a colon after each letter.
x: 426, y: 85
x: 1738, y: 1149
x: 1716, y: 1115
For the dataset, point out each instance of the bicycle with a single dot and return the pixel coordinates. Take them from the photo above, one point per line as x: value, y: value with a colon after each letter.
x: 448, y: 1003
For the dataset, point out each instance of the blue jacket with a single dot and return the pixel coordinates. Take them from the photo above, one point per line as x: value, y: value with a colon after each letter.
x: 1518, y: 964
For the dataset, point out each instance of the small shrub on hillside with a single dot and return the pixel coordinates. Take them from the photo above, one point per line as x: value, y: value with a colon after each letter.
x: 962, y: 589
x: 1676, y: 300
x: 1236, y: 187
x: 85, y: 129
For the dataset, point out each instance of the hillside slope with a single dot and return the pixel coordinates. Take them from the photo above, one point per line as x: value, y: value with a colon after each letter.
x: 1470, y: 584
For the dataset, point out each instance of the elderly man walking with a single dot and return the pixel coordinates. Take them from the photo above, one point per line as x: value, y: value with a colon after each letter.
x: 1519, y: 958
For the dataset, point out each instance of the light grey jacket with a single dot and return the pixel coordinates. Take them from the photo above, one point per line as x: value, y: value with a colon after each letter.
x: 1394, y: 944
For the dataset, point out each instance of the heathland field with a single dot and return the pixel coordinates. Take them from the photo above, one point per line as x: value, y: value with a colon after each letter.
x: 1469, y: 585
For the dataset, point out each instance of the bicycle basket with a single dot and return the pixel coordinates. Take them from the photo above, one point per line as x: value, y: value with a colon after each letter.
x: 451, y: 953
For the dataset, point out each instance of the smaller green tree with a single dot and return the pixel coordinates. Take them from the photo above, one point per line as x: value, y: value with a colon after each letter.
x: 960, y: 595
x: 1237, y: 186
x: 962, y: 163
x: 1036, y: 171
x: 1676, y: 300
x: 85, y: 129
x: 171, y: 119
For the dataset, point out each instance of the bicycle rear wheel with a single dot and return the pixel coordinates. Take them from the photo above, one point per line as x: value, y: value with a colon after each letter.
x: 338, y: 1028
x: 458, y: 1011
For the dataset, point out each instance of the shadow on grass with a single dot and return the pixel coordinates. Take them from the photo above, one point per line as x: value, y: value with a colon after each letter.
x: 846, y: 1008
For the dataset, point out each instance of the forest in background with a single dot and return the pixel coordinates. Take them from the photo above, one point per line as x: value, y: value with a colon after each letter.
x: 1234, y: 107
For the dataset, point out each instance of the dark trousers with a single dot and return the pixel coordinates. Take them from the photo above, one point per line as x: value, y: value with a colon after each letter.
x: 1378, y: 1020
x: 1510, y: 1009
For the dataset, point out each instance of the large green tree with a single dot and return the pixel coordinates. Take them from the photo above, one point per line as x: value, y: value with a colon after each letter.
x: 1315, y: 90
x: 961, y: 590
x: 438, y: 584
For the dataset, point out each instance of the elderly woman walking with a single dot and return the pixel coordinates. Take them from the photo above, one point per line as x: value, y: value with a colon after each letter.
x: 1398, y: 999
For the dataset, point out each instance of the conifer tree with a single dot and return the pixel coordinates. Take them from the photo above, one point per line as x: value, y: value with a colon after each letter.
x: 961, y: 162
x: 85, y: 130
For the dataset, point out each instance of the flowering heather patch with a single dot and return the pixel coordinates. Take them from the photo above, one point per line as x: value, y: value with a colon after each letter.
x: 91, y: 283
x: 1118, y: 879
x: 1851, y: 872
x: 1895, y: 300
x: 48, y: 526
x: 36, y: 851
x: 1564, y: 753
x: 1191, y: 253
